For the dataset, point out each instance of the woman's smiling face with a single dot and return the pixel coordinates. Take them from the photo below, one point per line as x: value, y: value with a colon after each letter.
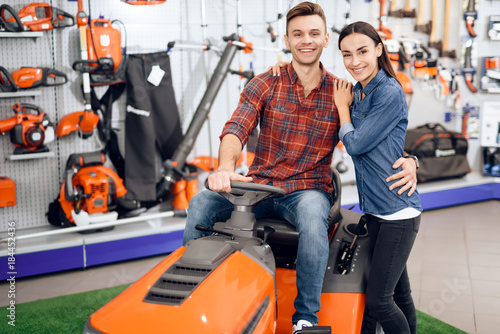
x: 360, y: 55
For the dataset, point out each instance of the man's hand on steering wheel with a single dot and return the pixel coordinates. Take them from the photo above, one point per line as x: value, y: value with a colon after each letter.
x: 220, y: 181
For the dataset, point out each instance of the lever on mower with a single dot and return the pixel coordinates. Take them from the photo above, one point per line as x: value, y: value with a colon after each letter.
x: 204, y: 228
x: 345, y: 257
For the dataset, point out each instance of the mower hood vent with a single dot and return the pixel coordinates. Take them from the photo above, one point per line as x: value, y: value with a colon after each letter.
x: 250, y: 327
x: 177, y: 283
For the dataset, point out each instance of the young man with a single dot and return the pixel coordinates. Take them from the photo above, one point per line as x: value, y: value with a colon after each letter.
x: 299, y: 126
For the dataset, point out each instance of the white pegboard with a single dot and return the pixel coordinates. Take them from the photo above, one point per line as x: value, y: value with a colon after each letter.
x: 149, y: 29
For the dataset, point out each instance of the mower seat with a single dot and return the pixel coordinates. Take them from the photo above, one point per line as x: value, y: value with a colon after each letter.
x: 285, y: 235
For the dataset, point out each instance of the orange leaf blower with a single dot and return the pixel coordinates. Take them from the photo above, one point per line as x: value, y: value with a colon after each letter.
x: 29, y: 132
x: 89, y: 192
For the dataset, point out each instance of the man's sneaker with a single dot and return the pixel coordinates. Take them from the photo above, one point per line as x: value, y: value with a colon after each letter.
x: 297, y: 329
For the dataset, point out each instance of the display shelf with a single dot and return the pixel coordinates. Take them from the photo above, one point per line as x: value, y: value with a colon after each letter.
x: 22, y: 34
x: 22, y: 93
x: 439, y: 194
x: 52, y: 253
x: 28, y: 156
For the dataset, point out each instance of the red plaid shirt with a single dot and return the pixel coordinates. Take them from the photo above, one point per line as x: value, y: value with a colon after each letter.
x: 297, y: 133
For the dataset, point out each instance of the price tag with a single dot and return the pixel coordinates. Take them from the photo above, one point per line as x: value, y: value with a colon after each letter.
x: 156, y: 75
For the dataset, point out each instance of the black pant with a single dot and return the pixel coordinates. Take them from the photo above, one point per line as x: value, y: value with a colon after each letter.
x: 388, y: 293
x: 152, y: 124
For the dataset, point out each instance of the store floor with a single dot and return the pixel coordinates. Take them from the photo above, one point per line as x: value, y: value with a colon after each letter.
x: 454, y: 268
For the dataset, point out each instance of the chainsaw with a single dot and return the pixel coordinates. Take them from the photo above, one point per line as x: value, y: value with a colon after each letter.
x: 30, y: 129
x: 31, y: 77
x: 89, y: 193
x: 39, y: 16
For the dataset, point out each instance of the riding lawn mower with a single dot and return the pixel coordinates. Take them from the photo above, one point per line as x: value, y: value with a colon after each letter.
x: 241, y: 278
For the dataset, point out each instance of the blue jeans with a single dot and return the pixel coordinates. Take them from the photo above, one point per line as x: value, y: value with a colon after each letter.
x: 307, y: 210
x: 388, y: 293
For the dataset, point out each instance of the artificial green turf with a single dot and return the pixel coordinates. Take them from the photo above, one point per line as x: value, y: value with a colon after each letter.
x: 67, y: 314
x: 430, y: 325
x: 59, y: 315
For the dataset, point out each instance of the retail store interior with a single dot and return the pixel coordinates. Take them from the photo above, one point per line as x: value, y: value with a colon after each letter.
x: 70, y: 98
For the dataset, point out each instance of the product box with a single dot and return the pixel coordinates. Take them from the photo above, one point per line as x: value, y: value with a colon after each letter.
x: 7, y: 192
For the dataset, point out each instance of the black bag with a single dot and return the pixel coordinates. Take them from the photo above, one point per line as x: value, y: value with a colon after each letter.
x: 441, y: 153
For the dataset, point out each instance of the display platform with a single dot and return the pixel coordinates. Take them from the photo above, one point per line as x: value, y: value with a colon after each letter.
x: 439, y: 194
x: 148, y: 237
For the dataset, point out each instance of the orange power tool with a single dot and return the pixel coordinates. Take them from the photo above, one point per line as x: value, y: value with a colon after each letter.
x: 29, y: 132
x: 40, y: 16
x: 31, y: 77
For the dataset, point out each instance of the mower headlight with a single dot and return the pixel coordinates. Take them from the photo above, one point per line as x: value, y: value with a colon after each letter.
x: 88, y: 329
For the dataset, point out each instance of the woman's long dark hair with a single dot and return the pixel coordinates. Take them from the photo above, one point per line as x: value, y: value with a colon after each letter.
x: 367, y: 29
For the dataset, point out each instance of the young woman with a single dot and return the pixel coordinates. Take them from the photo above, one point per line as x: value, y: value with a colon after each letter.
x: 373, y: 117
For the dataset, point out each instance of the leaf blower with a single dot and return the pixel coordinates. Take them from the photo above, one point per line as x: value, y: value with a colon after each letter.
x: 30, y: 129
x: 89, y: 193
x: 40, y: 16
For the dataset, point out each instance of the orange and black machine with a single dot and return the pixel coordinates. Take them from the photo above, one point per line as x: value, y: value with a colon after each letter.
x: 30, y: 129
x: 88, y: 188
x: 242, y: 278
x: 38, y: 16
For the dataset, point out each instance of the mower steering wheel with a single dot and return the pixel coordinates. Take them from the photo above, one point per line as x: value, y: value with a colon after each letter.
x: 249, y: 193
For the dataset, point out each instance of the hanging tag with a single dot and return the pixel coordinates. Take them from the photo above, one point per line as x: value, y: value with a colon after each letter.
x: 156, y: 75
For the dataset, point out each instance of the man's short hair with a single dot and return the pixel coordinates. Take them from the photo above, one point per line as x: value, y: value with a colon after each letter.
x: 304, y: 9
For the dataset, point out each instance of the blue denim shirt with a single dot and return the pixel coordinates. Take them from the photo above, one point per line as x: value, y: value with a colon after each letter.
x: 375, y: 140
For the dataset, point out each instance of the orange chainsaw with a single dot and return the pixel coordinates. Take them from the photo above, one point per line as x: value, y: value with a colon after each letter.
x: 29, y: 132
x: 40, y: 16
x: 31, y: 77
